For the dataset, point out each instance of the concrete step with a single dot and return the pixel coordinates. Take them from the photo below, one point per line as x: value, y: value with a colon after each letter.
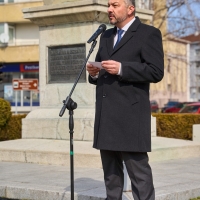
x: 57, y: 152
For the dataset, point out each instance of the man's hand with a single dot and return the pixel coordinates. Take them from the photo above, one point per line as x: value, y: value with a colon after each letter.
x: 111, y: 66
x: 93, y: 71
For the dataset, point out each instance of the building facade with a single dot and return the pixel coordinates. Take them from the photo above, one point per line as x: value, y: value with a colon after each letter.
x: 174, y: 86
x: 194, y: 62
x: 19, y: 53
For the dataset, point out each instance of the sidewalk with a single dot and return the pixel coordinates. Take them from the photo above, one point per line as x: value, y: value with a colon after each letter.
x: 39, y: 170
x: 173, y: 180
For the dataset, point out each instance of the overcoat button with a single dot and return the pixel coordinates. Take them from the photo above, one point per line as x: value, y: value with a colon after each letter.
x: 104, y: 95
x: 105, y: 76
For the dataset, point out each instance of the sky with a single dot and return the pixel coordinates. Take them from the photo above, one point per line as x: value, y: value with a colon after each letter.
x: 181, y: 21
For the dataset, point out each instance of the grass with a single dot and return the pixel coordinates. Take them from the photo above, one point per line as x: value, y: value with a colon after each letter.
x: 195, y: 198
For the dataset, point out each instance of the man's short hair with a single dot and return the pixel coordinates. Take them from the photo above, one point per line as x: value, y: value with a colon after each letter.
x: 130, y: 2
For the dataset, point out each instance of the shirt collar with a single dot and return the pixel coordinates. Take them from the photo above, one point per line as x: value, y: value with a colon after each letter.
x: 125, y: 28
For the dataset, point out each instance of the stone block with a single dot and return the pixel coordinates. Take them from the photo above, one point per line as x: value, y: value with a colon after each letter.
x: 196, y: 133
x: 12, y: 156
x: 46, y: 124
x: 2, y: 191
x: 153, y: 126
x: 31, y: 193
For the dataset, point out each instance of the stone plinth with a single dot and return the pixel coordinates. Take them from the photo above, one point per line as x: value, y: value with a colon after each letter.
x: 196, y: 133
x: 64, y: 23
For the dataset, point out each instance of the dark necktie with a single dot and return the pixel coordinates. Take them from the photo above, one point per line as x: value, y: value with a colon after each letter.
x: 119, y: 32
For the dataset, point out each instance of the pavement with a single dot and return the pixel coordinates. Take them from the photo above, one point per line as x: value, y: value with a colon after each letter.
x: 39, y: 169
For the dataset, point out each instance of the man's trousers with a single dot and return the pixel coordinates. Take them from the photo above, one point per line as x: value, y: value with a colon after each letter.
x: 138, y: 170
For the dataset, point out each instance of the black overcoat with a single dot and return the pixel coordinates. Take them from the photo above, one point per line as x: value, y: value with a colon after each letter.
x: 123, y: 114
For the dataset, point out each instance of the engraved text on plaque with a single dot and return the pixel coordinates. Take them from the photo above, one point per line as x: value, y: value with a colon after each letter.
x: 65, y: 63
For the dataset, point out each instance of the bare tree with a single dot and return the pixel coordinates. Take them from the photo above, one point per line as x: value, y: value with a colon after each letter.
x: 175, y: 19
x: 182, y: 17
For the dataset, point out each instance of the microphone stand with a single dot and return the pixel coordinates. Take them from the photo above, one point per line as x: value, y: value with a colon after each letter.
x: 71, y: 105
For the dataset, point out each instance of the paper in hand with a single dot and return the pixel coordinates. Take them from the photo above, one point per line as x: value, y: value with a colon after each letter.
x: 96, y: 64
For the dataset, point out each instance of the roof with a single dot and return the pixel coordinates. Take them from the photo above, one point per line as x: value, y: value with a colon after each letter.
x: 192, y: 38
x: 176, y: 39
x: 194, y: 104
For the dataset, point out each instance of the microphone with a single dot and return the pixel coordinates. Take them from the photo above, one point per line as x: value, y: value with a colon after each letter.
x: 100, y: 30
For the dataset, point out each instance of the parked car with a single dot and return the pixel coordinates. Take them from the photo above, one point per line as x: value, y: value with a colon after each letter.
x: 191, y: 108
x: 169, y: 104
x: 154, y: 106
x: 174, y: 109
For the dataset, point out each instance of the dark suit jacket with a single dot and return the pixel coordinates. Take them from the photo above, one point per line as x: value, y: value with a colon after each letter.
x: 123, y: 115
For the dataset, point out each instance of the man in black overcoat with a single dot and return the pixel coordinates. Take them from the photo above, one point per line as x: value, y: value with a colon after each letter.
x: 122, y: 129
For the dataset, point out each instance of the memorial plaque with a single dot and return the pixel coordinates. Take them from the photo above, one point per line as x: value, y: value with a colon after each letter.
x: 65, y: 63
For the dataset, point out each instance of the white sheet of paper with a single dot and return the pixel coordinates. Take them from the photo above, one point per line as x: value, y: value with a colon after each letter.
x: 96, y: 64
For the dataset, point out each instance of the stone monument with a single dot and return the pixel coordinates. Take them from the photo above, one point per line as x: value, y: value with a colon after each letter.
x: 64, y: 29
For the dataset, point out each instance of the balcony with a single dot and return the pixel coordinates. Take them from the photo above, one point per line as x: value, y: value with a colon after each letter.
x: 26, y: 53
x: 12, y: 12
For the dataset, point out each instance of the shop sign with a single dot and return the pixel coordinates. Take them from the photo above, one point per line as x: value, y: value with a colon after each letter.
x: 25, y: 84
x: 29, y: 67
x: 20, y: 67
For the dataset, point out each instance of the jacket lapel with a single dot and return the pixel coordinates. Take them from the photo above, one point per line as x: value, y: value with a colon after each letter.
x: 128, y: 35
x: 110, y: 41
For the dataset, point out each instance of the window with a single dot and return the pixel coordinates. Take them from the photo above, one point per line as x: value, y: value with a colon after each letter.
x: 169, y: 64
x: 1, y: 26
x: 7, y: 33
x: 6, y: 1
x: 143, y: 4
x: 198, y: 52
x: 169, y: 87
x: 190, y: 109
x: 198, y: 77
x: 198, y: 64
x: 3, y: 33
x: 11, y: 31
x: 193, y: 90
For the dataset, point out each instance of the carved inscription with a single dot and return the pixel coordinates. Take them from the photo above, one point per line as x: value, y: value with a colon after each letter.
x: 65, y: 63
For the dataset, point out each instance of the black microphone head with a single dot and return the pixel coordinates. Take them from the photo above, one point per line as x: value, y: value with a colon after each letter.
x: 100, y: 30
x: 103, y: 27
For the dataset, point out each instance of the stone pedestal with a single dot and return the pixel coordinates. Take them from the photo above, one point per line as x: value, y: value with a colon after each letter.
x: 65, y: 23
x: 196, y: 133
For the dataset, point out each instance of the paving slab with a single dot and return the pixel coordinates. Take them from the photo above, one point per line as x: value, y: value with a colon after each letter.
x: 173, y: 180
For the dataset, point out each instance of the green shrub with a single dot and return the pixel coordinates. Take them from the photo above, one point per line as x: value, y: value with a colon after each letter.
x: 13, y: 129
x: 10, y: 125
x: 5, y: 112
x: 176, y: 125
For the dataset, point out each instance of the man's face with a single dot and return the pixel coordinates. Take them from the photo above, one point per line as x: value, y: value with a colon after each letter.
x: 119, y: 12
